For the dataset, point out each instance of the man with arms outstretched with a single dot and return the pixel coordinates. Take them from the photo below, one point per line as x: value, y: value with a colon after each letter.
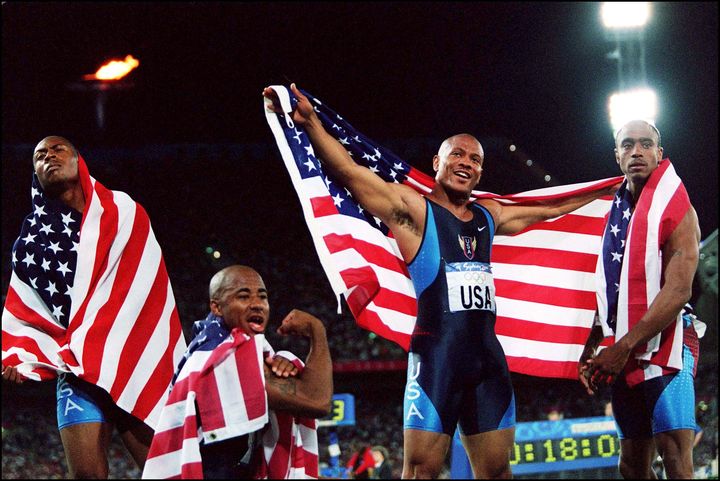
x: 457, y: 372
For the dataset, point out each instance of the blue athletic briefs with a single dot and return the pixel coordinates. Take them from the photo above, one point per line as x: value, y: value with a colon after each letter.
x: 76, y: 403
x: 664, y: 403
x: 80, y: 402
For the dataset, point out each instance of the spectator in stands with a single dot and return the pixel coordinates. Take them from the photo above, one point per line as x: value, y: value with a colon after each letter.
x: 361, y: 461
x: 555, y: 413
x: 382, y: 469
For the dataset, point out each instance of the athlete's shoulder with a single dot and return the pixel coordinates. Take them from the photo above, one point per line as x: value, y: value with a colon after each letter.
x: 407, y: 192
x: 414, y: 201
x: 491, y: 205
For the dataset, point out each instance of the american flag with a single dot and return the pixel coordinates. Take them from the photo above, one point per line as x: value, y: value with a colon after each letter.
x: 544, y: 275
x: 219, y: 393
x: 290, y: 448
x: 289, y: 443
x: 629, y: 269
x: 89, y: 294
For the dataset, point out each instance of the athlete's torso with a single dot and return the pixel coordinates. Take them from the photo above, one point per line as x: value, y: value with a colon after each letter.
x: 453, y: 282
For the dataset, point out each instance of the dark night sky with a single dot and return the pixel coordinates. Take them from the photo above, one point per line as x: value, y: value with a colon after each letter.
x: 533, y: 73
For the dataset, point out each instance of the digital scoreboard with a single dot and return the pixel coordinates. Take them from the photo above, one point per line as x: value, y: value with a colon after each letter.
x: 342, y: 412
x: 546, y: 446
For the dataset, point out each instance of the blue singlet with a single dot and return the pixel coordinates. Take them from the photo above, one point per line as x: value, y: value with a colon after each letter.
x: 457, y: 372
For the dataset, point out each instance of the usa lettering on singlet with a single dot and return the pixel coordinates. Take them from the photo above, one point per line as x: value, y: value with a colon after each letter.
x: 413, y: 392
x: 470, y: 286
x: 67, y: 392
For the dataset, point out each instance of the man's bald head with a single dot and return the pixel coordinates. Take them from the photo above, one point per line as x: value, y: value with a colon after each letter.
x: 238, y: 295
x: 227, y: 277
x: 448, y: 143
x: 636, y: 123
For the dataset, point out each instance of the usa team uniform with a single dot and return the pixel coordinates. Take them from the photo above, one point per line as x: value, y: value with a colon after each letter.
x: 457, y: 372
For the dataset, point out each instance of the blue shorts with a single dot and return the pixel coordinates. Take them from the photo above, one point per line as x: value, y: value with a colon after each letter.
x: 661, y: 404
x: 81, y: 402
x: 438, y: 401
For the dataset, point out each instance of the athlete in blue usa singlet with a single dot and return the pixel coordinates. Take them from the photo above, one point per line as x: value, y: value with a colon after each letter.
x: 457, y: 372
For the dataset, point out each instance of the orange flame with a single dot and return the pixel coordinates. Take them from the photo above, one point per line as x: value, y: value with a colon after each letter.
x: 114, y: 69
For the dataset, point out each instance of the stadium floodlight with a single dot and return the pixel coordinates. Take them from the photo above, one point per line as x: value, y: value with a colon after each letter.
x: 629, y: 105
x: 625, y: 15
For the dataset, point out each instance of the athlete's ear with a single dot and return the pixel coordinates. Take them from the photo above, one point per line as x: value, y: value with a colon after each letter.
x: 215, y: 307
x: 436, y: 163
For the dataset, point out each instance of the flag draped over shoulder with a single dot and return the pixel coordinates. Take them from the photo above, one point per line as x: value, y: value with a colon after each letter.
x: 218, y: 394
x: 629, y: 269
x: 544, y: 275
x: 90, y: 295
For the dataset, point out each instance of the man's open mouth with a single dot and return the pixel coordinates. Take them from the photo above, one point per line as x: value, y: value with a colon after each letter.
x: 257, y: 323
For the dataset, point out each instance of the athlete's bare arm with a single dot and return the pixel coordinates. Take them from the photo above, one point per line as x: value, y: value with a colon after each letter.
x: 511, y: 219
x: 310, y: 394
x: 400, y: 207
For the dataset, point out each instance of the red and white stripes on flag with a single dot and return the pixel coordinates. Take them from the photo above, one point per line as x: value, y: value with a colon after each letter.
x: 662, y: 205
x: 219, y: 394
x: 290, y: 448
x: 124, y: 333
x: 544, y: 275
x: 545, y: 284
x: 225, y: 388
x: 289, y: 443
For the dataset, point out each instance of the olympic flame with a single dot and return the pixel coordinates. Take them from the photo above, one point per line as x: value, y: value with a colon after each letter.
x: 114, y: 69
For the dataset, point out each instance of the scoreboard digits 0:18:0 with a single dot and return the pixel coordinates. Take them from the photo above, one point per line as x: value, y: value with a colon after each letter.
x: 565, y: 449
x: 546, y: 446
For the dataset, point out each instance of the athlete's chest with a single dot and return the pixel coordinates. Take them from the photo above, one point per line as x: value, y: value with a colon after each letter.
x: 462, y: 241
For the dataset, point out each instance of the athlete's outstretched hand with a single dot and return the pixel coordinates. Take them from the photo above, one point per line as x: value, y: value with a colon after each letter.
x: 303, y: 112
x: 10, y: 373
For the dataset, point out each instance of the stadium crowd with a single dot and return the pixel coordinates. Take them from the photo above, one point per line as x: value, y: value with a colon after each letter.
x: 267, y: 231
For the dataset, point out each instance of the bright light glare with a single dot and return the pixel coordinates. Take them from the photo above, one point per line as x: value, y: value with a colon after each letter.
x: 639, y: 104
x: 625, y: 14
